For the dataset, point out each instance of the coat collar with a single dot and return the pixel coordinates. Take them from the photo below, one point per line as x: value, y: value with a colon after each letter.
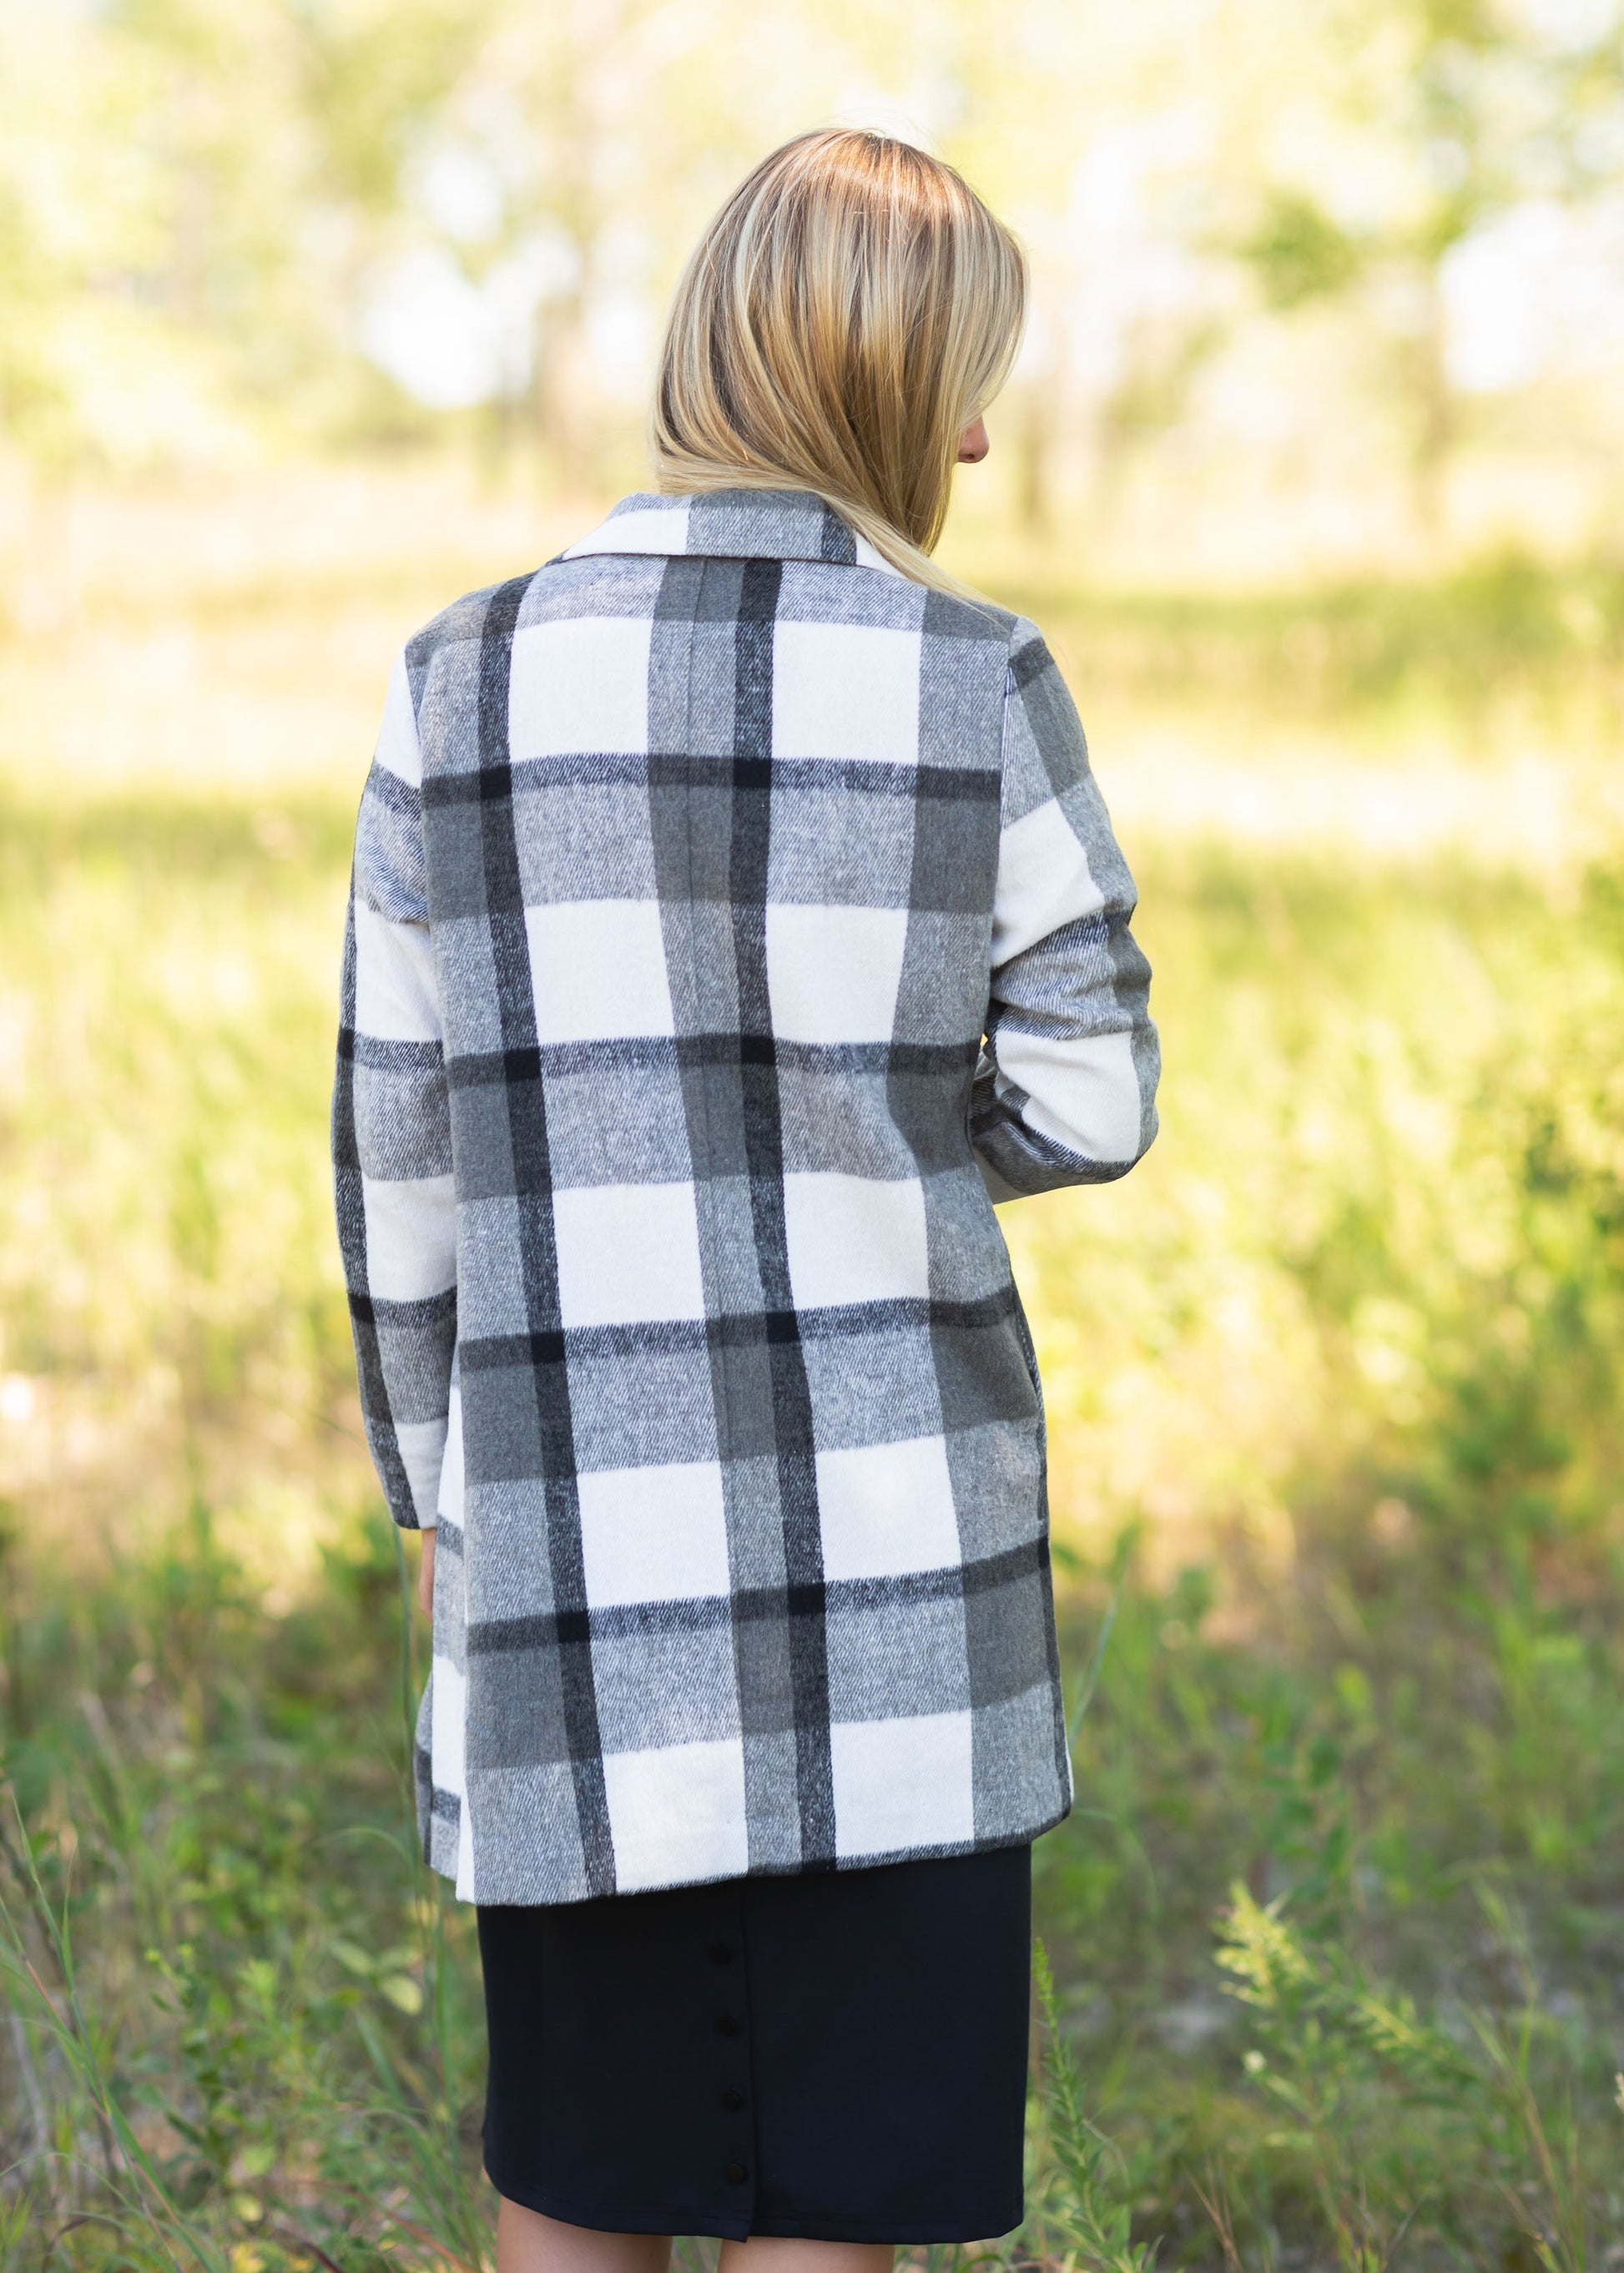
x: 741, y: 524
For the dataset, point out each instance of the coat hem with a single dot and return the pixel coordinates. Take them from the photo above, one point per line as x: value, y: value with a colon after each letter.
x: 941, y: 1852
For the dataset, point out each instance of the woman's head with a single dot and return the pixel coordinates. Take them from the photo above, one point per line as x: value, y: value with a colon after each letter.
x: 848, y: 314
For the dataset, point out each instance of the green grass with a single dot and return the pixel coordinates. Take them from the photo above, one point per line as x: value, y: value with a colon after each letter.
x: 1333, y: 1932
x: 1358, y: 645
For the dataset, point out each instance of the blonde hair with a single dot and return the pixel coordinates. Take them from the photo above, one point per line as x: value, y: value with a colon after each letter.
x: 849, y: 311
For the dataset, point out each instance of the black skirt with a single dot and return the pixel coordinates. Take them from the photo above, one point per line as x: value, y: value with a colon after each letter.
x: 840, y: 2056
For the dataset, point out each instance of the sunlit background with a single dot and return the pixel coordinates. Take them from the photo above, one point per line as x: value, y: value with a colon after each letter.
x: 314, y: 314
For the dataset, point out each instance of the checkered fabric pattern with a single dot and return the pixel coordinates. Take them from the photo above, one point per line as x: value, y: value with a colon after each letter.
x: 734, y: 921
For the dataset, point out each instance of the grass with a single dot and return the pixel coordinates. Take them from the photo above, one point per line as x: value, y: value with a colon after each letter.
x: 1360, y: 644
x: 1330, y: 1974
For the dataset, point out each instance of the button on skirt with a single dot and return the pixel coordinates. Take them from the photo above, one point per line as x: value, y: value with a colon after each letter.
x: 840, y: 2056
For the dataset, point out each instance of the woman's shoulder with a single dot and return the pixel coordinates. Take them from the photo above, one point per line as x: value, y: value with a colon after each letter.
x: 462, y: 623
x: 560, y: 586
x: 1029, y: 649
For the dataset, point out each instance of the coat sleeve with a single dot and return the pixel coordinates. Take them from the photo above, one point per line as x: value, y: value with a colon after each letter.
x: 1066, y: 1090
x: 391, y: 1132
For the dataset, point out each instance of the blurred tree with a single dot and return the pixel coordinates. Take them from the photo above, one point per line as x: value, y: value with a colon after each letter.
x: 79, y: 204
x: 587, y: 123
x: 1298, y: 251
x: 281, y: 128
x: 1461, y: 109
x: 1075, y: 119
x: 191, y: 194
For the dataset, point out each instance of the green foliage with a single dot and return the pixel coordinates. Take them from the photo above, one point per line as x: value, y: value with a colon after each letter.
x: 1337, y: 2051
x: 278, y: 2048
x: 1415, y: 2055
x: 1298, y: 252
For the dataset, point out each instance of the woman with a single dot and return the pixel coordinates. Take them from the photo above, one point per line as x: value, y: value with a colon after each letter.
x: 734, y: 920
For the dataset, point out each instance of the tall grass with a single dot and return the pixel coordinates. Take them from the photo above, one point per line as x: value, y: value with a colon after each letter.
x: 1330, y: 1974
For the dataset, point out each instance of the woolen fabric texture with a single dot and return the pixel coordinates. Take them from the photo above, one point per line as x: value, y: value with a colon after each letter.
x: 734, y: 921
x: 840, y: 2057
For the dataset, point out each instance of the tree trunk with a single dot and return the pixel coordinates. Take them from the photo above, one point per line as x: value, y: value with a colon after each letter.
x: 564, y: 417
x: 1034, y: 462
x: 1436, y: 422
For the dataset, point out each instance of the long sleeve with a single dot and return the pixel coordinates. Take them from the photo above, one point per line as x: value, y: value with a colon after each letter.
x: 1065, y: 1090
x: 391, y: 1132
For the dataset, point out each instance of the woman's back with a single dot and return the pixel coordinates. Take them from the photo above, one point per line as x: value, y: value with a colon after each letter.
x: 681, y: 875
x: 734, y: 919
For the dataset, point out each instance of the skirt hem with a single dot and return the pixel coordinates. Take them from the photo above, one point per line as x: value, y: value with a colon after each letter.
x: 717, y: 2225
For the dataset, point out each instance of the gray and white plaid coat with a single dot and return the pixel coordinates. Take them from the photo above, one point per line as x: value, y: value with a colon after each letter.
x: 734, y: 921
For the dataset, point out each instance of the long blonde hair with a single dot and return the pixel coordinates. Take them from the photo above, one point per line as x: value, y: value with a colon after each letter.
x: 847, y: 313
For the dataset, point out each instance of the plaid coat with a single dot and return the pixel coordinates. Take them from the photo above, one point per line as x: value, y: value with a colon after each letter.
x: 734, y: 920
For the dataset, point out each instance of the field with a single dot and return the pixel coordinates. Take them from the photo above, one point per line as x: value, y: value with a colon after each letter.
x: 1335, y: 1929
